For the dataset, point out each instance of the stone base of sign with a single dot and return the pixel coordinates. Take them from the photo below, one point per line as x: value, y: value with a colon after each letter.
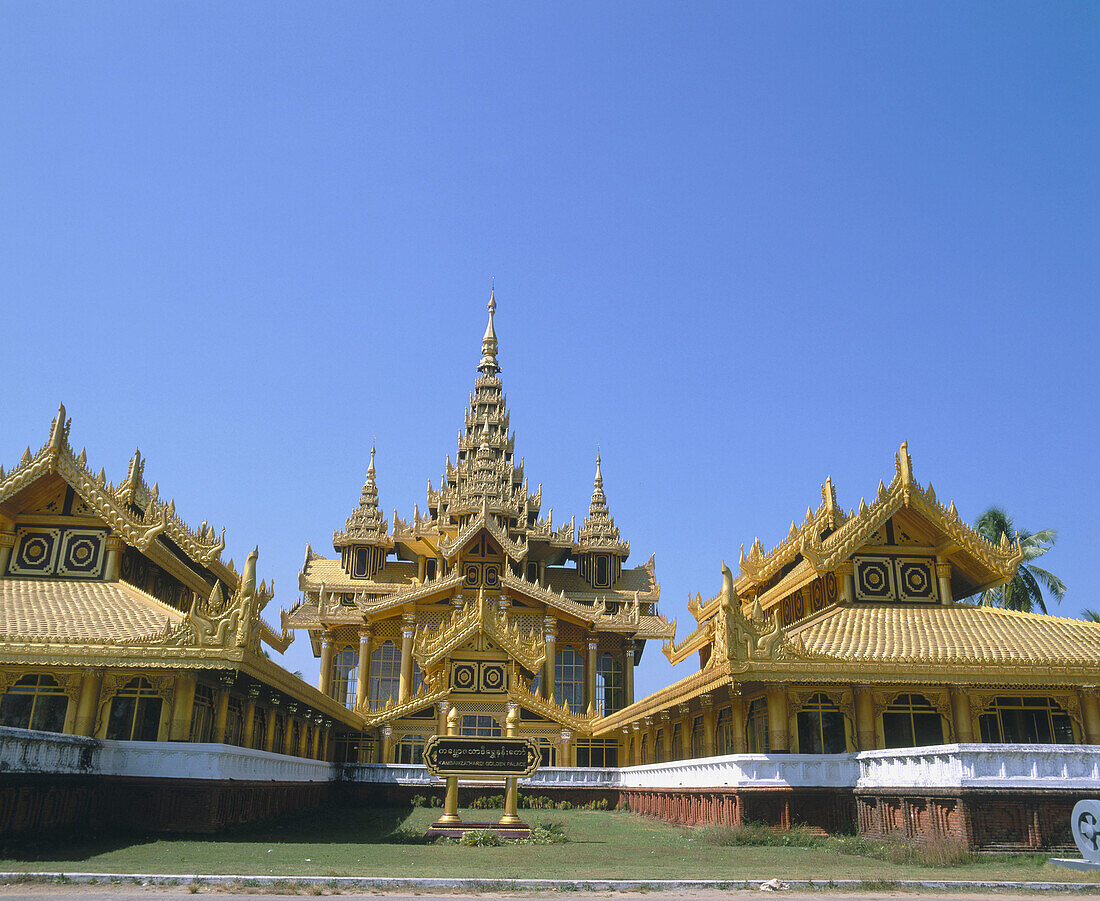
x: 457, y: 830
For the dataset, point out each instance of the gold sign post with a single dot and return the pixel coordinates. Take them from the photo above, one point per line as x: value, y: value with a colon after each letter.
x: 451, y: 756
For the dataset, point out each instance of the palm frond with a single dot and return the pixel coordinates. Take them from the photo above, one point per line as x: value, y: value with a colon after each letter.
x: 1055, y: 586
x: 1090, y: 616
x: 1031, y: 591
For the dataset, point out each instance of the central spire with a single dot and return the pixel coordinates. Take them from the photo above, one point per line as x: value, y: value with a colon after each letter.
x: 488, y: 363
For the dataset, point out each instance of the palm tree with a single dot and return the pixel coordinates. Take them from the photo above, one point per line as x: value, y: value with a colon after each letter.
x: 1090, y: 616
x: 1024, y: 591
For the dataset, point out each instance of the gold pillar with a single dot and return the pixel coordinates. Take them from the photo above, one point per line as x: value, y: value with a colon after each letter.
x: 444, y: 709
x: 686, y: 723
x: 324, y: 683
x: 737, y: 720
x: 511, y: 783
x: 182, y: 707
x: 1090, y: 714
x: 590, y: 676
x: 387, y: 744
x: 629, y: 758
x: 450, y: 799
x: 221, y: 715
x: 362, y: 684
x: 960, y: 710
x: 327, y: 731
x: 269, y: 725
x: 708, y: 726
x: 666, y: 737
x: 943, y: 573
x: 628, y: 674
x: 550, y: 627
x: 87, y: 702
x: 845, y: 589
x: 288, y: 739
x: 303, y: 737
x: 7, y: 542
x: 316, y: 748
x: 249, y: 725
x: 404, y: 687
x: 115, y: 547
x: 778, y: 742
x: 567, y: 748
x: 865, y: 719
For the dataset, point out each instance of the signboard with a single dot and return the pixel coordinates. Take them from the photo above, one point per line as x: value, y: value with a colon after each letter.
x: 451, y: 755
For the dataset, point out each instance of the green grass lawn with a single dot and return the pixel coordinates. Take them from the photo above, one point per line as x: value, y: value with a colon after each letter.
x: 367, y: 842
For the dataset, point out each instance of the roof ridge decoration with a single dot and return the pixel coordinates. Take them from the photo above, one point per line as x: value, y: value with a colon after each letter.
x: 491, y: 523
x: 433, y: 688
x: 536, y: 592
x: 562, y: 714
x: 905, y: 491
x: 599, y: 532
x: 119, y: 507
x: 431, y: 645
x: 365, y: 525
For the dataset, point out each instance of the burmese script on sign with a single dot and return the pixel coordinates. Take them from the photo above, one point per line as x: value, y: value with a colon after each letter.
x: 458, y: 756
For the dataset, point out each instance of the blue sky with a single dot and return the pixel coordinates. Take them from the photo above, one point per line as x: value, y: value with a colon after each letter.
x: 739, y: 246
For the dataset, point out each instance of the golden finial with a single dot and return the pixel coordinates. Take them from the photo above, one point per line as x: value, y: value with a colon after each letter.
x: 488, y: 363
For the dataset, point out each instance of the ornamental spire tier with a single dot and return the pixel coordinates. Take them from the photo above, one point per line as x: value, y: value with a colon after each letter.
x: 365, y: 540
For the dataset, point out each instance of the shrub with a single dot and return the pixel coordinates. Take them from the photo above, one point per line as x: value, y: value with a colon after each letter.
x: 480, y: 838
x: 488, y: 802
x: 548, y: 833
x: 419, y: 801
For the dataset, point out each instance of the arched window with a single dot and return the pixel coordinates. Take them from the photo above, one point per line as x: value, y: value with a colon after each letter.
x: 609, y: 684
x: 1024, y: 720
x: 34, y: 702
x: 410, y: 749
x: 756, y: 726
x: 135, y: 712
x: 345, y: 672
x: 698, y: 738
x: 911, y: 722
x: 821, y: 727
x: 569, y: 678
x: 385, y: 674
x: 480, y: 726
x: 723, y: 731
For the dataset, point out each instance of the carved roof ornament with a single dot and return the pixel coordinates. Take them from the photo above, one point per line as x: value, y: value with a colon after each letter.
x: 599, y: 532
x: 365, y: 525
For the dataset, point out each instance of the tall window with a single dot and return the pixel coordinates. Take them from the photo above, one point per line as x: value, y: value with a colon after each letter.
x: 279, y: 742
x: 480, y: 726
x: 911, y: 722
x: 536, y: 683
x: 410, y: 749
x: 677, y: 742
x: 569, y: 678
x: 385, y: 674
x: 757, y: 726
x: 34, y: 702
x: 610, y: 696
x: 723, y: 731
x: 345, y: 671
x: 135, y: 712
x: 259, y: 728
x: 547, y: 752
x: 234, y: 722
x: 659, y: 747
x: 598, y: 752
x: 643, y: 753
x: 202, y: 714
x: 698, y: 738
x: 821, y: 727
x: 1022, y: 720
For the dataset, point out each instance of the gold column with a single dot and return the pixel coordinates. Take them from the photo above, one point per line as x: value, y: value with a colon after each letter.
x: 567, y: 748
x: 865, y: 719
x: 182, y: 706
x: 960, y: 710
x: 1090, y: 714
x: 115, y: 547
x: 666, y: 737
x: 511, y: 793
x: 778, y: 742
x: 737, y: 720
x: 362, y: 684
x: 685, y: 731
x: 628, y: 748
x: 444, y: 709
x: 269, y: 729
x: 404, y: 687
x: 303, y: 737
x: 550, y: 627
x: 324, y: 683
x: 708, y: 725
x: 844, y: 589
x: 628, y: 674
x: 324, y: 740
x: 943, y: 573
x: 450, y: 799
x: 316, y: 748
x: 387, y: 744
x: 249, y: 716
x: 221, y: 714
x: 88, y: 702
x: 288, y: 739
x: 7, y: 542
x: 590, y: 675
